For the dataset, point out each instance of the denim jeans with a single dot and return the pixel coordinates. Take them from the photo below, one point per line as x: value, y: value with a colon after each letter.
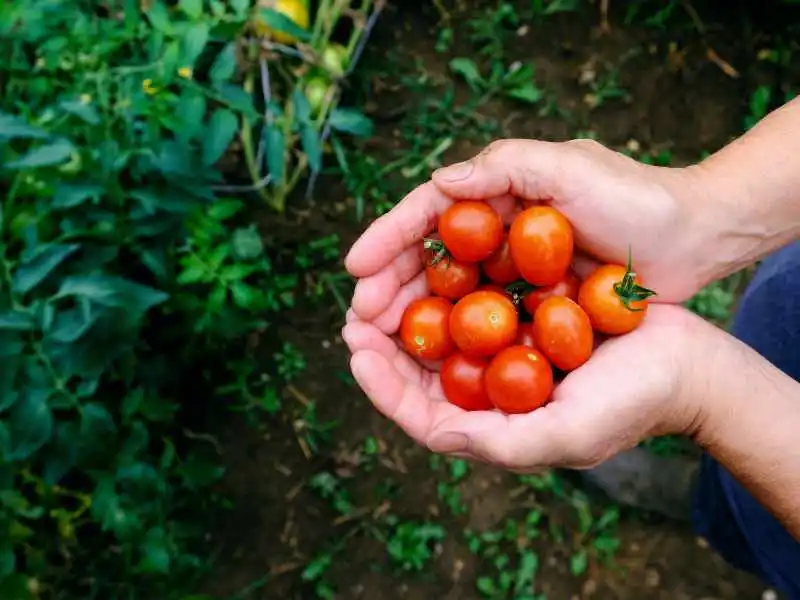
x: 733, y: 522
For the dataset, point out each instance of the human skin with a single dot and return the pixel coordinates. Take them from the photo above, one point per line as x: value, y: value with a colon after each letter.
x: 674, y: 374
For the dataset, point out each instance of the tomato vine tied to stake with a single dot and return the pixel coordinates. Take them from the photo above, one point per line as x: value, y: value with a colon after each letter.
x: 630, y: 291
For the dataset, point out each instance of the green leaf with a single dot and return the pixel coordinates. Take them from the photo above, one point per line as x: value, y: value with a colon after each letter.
x: 194, y: 42
x: 240, y: 7
x: 15, y: 587
x: 15, y: 127
x: 16, y: 321
x: 486, y: 586
x: 578, y: 563
x: 96, y: 422
x: 32, y: 271
x: 30, y: 424
x: 467, y: 68
x: 280, y: 22
x: 302, y: 107
x: 526, y: 93
x: 8, y: 560
x: 221, y: 129
x: 312, y: 147
x: 155, y: 552
x: 70, y: 195
x: 224, y: 65
x: 247, y: 243
x: 71, y: 324
x: 238, y: 98
x: 224, y: 209
x: 62, y: 452
x: 192, y: 8
x: 54, y: 153
x: 85, y: 112
x: 109, y: 290
x: 192, y: 111
x: 159, y: 17
x: 348, y: 120
x: 276, y: 160
x: 556, y: 6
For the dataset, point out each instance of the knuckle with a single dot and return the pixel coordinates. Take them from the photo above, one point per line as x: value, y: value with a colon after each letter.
x: 587, y: 145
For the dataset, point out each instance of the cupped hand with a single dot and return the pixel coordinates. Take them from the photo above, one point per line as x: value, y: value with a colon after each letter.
x: 634, y: 386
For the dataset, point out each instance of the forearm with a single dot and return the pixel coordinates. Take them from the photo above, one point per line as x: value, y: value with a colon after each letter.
x: 750, y: 423
x: 752, y: 187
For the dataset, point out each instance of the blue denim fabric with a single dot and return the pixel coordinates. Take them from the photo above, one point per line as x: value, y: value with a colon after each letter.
x: 734, y: 523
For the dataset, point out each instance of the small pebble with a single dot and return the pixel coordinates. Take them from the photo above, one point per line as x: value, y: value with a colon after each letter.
x: 702, y: 542
x: 769, y: 595
x: 652, y: 578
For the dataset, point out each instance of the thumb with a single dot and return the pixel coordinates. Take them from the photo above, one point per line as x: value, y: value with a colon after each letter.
x: 527, y: 169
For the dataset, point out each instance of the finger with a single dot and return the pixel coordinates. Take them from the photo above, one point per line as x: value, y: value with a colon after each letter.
x: 374, y: 293
x: 396, y: 397
x: 403, y: 226
x: 365, y: 336
x: 527, y: 169
x: 389, y: 321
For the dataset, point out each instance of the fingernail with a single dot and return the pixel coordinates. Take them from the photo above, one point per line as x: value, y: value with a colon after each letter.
x: 448, y: 442
x: 455, y: 172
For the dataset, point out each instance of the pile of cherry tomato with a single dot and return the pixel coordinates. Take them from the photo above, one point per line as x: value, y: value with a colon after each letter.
x: 507, y: 314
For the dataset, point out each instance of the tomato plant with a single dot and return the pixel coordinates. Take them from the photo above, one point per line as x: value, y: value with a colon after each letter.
x: 500, y: 267
x: 471, y: 231
x: 563, y: 332
x: 483, y: 323
x: 541, y: 242
x: 462, y: 379
x: 425, y: 328
x: 525, y: 335
x: 450, y: 278
x: 567, y: 287
x: 519, y: 380
x: 614, y: 299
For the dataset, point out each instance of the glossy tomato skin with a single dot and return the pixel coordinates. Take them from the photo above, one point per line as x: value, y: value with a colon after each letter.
x: 563, y: 333
x: 471, y: 231
x: 425, y: 328
x: 525, y: 335
x: 567, y: 287
x: 519, y: 380
x: 483, y: 323
x: 451, y: 278
x: 500, y: 267
x: 542, y: 244
x: 463, y: 383
x: 606, y: 311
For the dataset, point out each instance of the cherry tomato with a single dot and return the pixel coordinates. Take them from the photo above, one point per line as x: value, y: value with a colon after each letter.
x: 567, y: 287
x: 499, y: 267
x: 525, y: 335
x: 493, y: 287
x: 463, y: 382
x: 606, y: 306
x: 563, y: 332
x: 519, y: 380
x: 541, y: 243
x: 451, y: 278
x: 471, y: 231
x: 483, y: 323
x: 425, y: 328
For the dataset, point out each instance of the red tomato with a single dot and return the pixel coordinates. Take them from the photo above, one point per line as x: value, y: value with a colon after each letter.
x: 493, y: 287
x: 463, y: 382
x: 541, y: 243
x: 563, y: 332
x: 519, y: 380
x: 451, y: 278
x: 483, y: 323
x: 613, y: 311
x: 471, y: 231
x: 499, y: 267
x: 525, y: 335
x: 567, y: 287
x: 425, y: 328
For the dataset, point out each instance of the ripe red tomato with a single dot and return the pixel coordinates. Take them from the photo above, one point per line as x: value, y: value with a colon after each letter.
x: 519, y: 380
x: 525, y: 335
x: 563, y: 332
x: 451, y: 278
x: 483, y: 323
x: 613, y: 311
x: 471, y: 231
x: 425, y: 328
x: 567, y: 287
x: 541, y: 243
x: 499, y: 267
x: 463, y: 383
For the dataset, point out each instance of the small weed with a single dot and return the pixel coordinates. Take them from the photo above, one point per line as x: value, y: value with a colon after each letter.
x: 411, y: 544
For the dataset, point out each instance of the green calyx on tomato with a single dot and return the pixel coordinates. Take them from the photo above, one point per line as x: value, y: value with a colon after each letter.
x: 438, y: 249
x: 628, y: 290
